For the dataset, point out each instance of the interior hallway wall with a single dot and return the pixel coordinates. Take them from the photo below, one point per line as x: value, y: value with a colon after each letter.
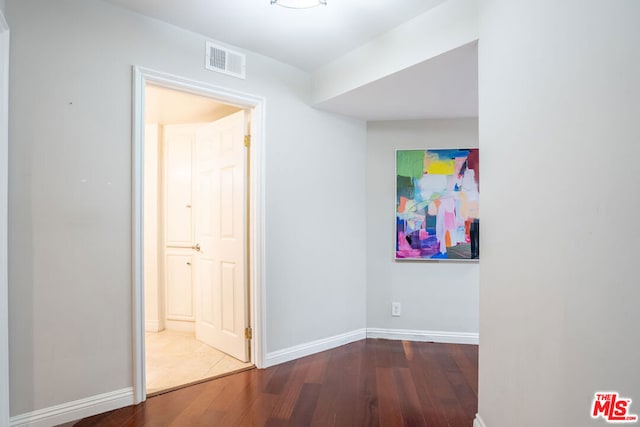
x: 435, y: 296
x: 70, y: 196
x: 559, y: 142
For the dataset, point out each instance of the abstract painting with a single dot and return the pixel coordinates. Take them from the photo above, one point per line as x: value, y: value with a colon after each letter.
x: 437, y: 204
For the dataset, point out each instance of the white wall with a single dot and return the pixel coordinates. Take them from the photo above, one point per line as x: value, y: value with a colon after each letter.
x: 435, y: 296
x: 559, y: 142
x: 70, y: 197
x: 4, y: 199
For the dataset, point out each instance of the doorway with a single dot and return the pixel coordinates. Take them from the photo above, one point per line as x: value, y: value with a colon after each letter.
x: 197, y: 247
x: 196, y: 299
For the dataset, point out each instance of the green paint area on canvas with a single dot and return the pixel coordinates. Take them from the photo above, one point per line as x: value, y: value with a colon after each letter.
x: 405, y: 187
x: 410, y: 163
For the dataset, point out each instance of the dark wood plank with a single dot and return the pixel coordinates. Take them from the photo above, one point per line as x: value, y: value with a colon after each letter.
x: 232, y: 391
x: 450, y: 401
x: 468, y: 368
x: 200, y: 407
x: 334, y: 407
x: 306, y: 405
x: 383, y: 353
x: 259, y: 413
x: 161, y: 411
x: 290, y: 393
x: 388, y: 399
x: 410, y: 406
x: 429, y: 401
x: 366, y: 383
x: 408, y: 350
x: 367, y: 407
x: 398, y: 354
x: 109, y: 419
x: 237, y: 410
x: 275, y: 422
x: 318, y: 368
x: 280, y: 378
x: 348, y: 394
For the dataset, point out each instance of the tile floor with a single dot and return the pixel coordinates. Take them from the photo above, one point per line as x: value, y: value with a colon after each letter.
x: 176, y: 358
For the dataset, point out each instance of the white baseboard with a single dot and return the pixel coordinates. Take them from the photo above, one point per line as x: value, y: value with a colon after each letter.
x: 313, y: 347
x: 306, y: 349
x: 75, y: 410
x: 477, y: 422
x: 180, y: 325
x: 416, y: 335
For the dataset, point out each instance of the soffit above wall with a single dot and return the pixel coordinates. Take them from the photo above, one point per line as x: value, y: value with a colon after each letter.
x: 442, y: 87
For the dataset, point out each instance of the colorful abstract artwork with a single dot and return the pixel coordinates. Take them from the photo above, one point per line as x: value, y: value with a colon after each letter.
x: 437, y: 203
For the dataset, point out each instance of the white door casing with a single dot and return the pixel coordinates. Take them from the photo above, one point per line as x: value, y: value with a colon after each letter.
x: 221, y: 233
x: 154, y: 317
x: 256, y: 268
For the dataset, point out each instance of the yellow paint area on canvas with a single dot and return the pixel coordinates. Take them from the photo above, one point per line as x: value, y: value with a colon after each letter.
x: 434, y: 165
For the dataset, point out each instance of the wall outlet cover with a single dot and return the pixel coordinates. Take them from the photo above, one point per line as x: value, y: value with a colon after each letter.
x: 395, y: 309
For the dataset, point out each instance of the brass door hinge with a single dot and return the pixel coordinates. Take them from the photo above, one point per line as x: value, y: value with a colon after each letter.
x: 248, y: 333
x: 247, y: 141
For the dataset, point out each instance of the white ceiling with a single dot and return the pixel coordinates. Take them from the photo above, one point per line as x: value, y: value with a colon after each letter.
x: 305, y: 38
x: 442, y: 87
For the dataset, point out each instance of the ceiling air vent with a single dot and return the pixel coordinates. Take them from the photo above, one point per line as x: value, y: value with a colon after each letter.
x: 225, y: 61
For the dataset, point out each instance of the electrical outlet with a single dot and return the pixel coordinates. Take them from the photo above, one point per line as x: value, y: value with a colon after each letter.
x: 396, y: 308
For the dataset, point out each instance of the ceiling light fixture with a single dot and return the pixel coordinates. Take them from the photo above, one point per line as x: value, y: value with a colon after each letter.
x: 299, y: 4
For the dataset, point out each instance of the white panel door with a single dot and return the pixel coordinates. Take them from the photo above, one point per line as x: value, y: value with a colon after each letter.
x: 221, y: 315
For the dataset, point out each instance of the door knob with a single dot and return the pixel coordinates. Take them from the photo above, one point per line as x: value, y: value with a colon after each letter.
x: 196, y: 247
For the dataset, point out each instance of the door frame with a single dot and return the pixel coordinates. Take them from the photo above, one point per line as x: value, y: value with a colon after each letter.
x: 256, y: 226
x: 4, y: 227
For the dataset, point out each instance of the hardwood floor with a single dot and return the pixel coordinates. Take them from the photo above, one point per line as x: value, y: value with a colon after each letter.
x: 366, y: 383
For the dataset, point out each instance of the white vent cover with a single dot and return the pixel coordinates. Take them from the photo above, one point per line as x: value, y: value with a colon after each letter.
x: 225, y: 61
